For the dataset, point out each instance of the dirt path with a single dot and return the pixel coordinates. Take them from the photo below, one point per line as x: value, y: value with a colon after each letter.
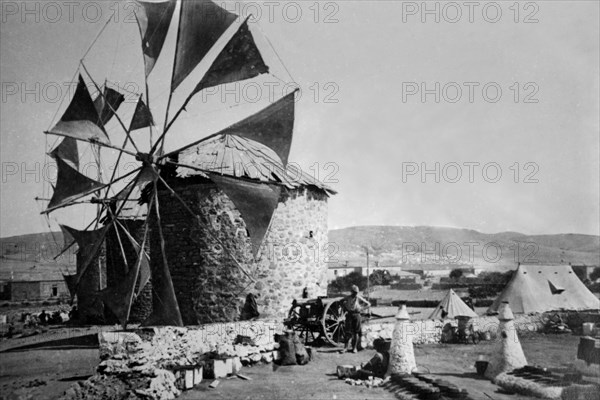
x: 317, y: 380
x: 44, y: 374
x: 44, y: 366
x: 44, y: 369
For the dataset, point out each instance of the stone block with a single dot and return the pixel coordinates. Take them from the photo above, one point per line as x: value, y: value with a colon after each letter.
x: 222, y: 368
x: 267, y: 357
x: 184, y: 377
x: 113, y: 343
x: 198, y: 374
x: 236, y: 365
x: 256, y: 357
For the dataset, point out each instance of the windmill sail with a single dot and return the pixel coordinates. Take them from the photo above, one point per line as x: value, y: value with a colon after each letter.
x: 201, y: 24
x: 272, y: 126
x: 239, y: 60
x: 70, y: 185
x: 81, y: 120
x: 67, y: 151
x: 120, y: 297
x: 142, y: 117
x: 153, y: 20
x: 255, y: 201
x: 143, y: 261
x: 89, y: 243
x: 107, y: 104
x: 70, y: 282
x: 249, y: 157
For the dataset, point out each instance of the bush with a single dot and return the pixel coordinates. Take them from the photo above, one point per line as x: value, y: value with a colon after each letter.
x: 456, y: 274
x: 407, y: 286
x: 344, y: 283
x: 485, y: 291
x: 380, y: 277
x: 416, y: 303
x: 594, y: 287
x: 595, y: 274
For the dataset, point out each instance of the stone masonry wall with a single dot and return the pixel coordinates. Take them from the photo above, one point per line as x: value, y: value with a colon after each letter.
x: 209, y: 285
x: 430, y: 330
x: 290, y: 259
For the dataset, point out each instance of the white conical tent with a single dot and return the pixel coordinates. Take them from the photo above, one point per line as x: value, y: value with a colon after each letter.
x: 541, y: 288
x: 454, y: 306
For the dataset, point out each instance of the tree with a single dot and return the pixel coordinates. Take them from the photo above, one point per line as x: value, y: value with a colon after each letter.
x: 456, y: 274
x: 380, y: 277
x: 595, y: 274
x: 344, y: 283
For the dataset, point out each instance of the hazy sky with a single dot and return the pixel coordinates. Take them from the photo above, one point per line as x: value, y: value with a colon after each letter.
x: 511, y: 98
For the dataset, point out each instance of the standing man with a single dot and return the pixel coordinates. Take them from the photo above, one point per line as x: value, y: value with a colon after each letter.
x: 353, y: 305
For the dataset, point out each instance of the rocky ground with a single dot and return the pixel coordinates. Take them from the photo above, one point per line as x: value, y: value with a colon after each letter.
x: 46, y: 369
x: 454, y: 363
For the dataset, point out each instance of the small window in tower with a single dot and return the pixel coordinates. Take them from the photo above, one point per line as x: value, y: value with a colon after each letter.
x: 54, y: 290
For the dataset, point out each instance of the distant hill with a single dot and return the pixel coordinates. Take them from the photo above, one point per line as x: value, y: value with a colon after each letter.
x: 441, y: 245
x: 32, y: 256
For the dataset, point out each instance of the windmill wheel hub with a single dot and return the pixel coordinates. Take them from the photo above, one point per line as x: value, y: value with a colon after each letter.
x: 146, y: 158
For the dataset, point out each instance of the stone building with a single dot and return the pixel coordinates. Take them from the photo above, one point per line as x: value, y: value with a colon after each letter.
x: 34, y: 290
x: 209, y: 248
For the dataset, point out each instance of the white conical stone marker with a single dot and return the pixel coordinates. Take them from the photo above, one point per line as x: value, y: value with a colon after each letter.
x: 508, y: 355
x: 402, y: 355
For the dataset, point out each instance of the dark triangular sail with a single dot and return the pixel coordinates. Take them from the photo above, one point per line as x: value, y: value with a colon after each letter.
x: 70, y: 185
x: 81, y: 120
x: 67, y: 151
x: 71, y: 285
x: 154, y: 19
x: 255, y: 201
x: 272, y: 126
x: 201, y: 24
x: 67, y: 238
x: 120, y: 297
x: 239, y: 60
x: 107, y: 104
x: 142, y: 117
x: 165, y: 308
x: 143, y: 261
x: 89, y: 243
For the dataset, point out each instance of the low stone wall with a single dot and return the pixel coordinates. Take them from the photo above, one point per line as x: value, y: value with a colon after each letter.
x: 430, y: 331
x: 143, y: 363
x: 178, y: 346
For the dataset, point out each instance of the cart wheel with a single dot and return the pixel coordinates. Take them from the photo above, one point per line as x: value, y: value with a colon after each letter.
x: 306, y: 334
x: 333, y: 323
x: 303, y: 331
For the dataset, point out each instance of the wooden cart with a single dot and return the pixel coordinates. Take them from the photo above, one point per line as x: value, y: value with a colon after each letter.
x: 321, y: 318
